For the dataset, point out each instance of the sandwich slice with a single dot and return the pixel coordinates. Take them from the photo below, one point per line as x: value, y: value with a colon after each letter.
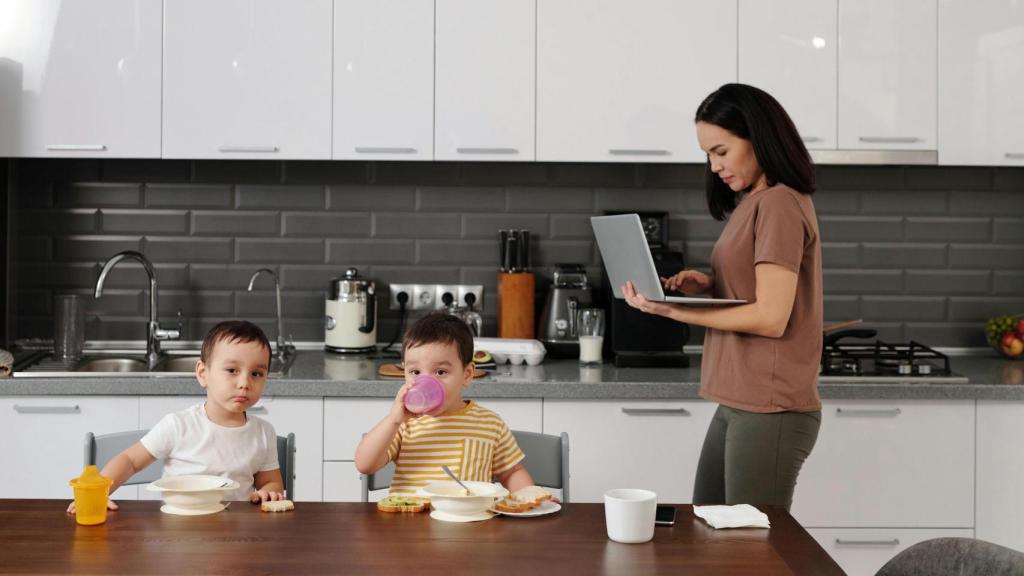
x: 277, y: 506
x: 523, y: 499
x: 403, y: 504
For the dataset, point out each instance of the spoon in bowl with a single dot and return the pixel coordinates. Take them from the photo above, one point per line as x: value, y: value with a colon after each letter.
x: 452, y: 476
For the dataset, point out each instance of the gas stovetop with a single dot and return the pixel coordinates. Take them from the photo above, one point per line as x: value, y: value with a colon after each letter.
x: 880, y: 361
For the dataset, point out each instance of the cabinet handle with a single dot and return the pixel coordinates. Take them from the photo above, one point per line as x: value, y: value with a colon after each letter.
x: 47, y: 409
x: 656, y: 411
x: 890, y: 139
x: 638, y: 152
x: 76, y: 147
x: 487, y: 151
x: 844, y: 542
x: 258, y: 410
x: 250, y: 149
x: 869, y: 412
x: 385, y: 150
x: 810, y: 139
x: 1015, y: 155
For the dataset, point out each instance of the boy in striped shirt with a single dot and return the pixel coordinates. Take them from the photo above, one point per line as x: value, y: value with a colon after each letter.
x: 472, y: 440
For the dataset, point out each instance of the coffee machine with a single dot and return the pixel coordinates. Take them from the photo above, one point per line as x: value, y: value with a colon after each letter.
x: 637, y: 339
x: 557, y: 330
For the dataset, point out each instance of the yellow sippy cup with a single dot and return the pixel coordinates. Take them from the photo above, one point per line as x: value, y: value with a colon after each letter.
x: 91, y: 492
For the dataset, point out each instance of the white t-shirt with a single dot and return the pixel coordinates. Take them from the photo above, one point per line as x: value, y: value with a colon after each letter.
x: 189, y: 443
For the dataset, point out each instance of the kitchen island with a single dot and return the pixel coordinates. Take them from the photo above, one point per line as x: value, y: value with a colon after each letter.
x: 319, y: 538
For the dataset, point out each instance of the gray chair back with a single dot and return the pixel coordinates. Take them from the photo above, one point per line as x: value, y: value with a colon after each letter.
x: 547, y: 459
x: 955, y: 557
x: 101, y: 449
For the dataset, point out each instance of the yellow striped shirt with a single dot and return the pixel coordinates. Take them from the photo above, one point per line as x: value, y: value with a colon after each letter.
x: 474, y: 442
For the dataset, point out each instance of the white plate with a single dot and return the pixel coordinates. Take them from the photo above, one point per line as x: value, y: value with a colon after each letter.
x: 438, y: 515
x: 168, y: 509
x: 546, y: 507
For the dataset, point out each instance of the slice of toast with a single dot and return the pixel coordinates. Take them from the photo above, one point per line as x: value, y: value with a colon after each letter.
x: 513, y: 506
x: 277, y: 506
x: 403, y: 504
x: 532, y: 494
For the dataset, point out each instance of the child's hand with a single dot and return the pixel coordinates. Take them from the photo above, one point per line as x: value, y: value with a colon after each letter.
x: 260, y: 496
x: 111, y: 505
x: 398, y: 413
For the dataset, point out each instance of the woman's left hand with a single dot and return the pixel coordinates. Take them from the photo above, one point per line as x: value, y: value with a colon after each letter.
x: 641, y: 303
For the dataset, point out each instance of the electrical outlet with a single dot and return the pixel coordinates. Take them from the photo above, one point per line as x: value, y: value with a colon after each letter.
x: 443, y: 289
x: 423, y: 297
x: 395, y: 290
x: 476, y: 290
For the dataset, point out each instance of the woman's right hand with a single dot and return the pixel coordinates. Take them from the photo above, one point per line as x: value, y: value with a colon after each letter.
x: 398, y: 413
x: 689, y: 281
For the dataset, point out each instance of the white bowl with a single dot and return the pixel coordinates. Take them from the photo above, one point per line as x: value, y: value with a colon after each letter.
x: 447, y: 497
x: 193, y: 491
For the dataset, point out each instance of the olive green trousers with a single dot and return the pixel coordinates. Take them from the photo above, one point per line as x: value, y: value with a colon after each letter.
x: 754, y: 458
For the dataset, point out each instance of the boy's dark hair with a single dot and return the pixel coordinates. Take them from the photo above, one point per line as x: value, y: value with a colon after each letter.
x: 443, y: 328
x: 752, y: 114
x: 233, y: 331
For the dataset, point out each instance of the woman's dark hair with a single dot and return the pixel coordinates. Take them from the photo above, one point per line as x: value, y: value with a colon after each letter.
x: 443, y: 328
x: 752, y: 114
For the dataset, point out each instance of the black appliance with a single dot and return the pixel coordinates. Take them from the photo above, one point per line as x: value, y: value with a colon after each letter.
x: 636, y: 339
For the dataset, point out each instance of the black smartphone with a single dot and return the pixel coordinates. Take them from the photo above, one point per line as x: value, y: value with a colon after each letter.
x: 665, y: 515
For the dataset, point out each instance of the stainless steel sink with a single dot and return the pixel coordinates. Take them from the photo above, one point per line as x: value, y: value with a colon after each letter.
x: 180, y: 363
x: 177, y: 364
x: 110, y: 365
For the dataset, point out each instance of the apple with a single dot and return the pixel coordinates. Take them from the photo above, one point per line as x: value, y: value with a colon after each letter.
x: 1011, y: 345
x: 1020, y: 328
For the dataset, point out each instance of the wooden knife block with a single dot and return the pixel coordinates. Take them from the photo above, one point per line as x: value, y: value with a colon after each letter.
x: 515, y: 305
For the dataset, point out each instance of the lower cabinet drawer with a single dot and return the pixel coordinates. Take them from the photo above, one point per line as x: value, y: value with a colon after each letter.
x: 862, y: 551
x: 890, y: 463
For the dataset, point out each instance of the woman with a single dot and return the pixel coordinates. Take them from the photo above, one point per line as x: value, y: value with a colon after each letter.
x: 760, y: 359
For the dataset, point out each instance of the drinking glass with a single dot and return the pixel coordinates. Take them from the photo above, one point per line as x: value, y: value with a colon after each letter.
x: 590, y: 329
x: 68, y: 326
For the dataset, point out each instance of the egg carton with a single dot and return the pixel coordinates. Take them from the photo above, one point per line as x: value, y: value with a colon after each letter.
x: 513, y: 350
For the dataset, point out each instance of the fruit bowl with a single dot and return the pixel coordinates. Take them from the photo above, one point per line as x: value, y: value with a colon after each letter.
x: 1005, y: 334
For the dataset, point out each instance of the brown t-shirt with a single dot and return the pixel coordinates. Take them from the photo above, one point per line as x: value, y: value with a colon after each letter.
x: 757, y: 373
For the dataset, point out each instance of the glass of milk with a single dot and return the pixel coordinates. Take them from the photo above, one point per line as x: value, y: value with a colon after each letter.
x: 590, y: 328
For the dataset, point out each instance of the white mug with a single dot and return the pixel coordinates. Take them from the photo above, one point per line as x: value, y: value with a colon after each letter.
x: 629, y: 514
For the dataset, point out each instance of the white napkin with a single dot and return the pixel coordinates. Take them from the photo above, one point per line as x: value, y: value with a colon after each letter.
x: 738, y: 516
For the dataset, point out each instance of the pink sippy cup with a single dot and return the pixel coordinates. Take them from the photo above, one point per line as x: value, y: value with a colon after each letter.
x: 426, y: 395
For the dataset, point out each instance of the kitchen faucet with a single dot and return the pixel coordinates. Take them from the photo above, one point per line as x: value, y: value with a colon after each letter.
x: 154, y: 333
x: 283, y: 350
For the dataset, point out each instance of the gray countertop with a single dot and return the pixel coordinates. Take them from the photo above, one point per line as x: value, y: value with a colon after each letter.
x: 317, y: 373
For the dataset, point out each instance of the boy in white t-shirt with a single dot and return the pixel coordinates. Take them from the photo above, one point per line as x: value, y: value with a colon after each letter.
x: 217, y: 436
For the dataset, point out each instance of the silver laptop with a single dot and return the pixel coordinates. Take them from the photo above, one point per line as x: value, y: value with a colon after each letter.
x: 627, y: 257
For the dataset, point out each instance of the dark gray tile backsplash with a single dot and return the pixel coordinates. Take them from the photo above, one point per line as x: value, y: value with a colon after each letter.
x: 919, y: 252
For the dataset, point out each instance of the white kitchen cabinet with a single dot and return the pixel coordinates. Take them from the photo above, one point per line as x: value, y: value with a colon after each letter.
x: 788, y: 48
x: 301, y: 416
x: 621, y: 81
x: 247, y: 79
x: 484, y: 78
x: 861, y: 552
x: 384, y: 80
x: 890, y: 464
x: 981, y: 83
x: 651, y: 444
x: 347, y: 419
x: 887, y: 74
x: 1000, y: 473
x: 80, y: 79
x: 45, y: 439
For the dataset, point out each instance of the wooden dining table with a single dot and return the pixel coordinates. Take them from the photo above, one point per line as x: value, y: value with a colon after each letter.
x: 37, y: 536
